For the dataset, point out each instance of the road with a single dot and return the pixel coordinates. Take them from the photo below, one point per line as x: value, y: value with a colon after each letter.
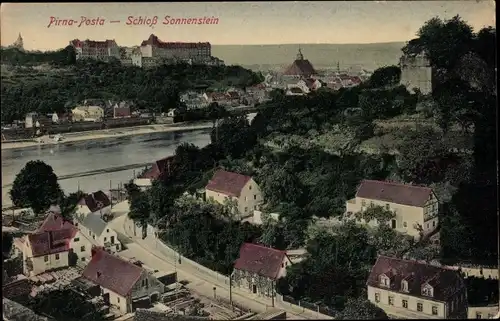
x: 147, y: 251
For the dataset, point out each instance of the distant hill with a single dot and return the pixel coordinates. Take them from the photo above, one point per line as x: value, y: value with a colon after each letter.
x: 367, y: 56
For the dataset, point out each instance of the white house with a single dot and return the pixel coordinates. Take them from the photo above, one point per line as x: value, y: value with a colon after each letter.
x: 415, y: 207
x: 87, y: 113
x: 98, y: 232
x: 56, y: 244
x: 240, y: 190
x: 411, y: 290
x: 258, y: 268
x: 123, y: 281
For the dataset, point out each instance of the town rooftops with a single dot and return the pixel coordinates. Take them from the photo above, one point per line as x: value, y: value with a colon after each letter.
x: 228, y: 183
x: 394, y: 193
x: 264, y: 261
x: 151, y: 315
x: 444, y: 282
x: 95, y: 201
x: 300, y: 67
x: 296, y: 90
x: 159, y: 167
x: 112, y: 272
x: 51, y: 242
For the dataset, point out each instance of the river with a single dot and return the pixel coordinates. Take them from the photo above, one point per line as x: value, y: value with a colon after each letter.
x: 99, y: 163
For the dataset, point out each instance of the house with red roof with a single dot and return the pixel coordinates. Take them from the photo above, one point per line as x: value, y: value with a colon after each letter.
x: 56, y: 244
x: 160, y: 167
x: 97, y: 203
x: 415, y: 207
x: 407, y: 289
x: 258, y: 268
x: 237, y: 190
x: 125, y: 282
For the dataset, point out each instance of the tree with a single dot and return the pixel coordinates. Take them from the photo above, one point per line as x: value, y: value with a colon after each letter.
x: 7, y: 242
x: 140, y: 209
x: 36, y: 186
x: 361, y: 309
x: 216, y: 112
x: 385, y: 76
x: 69, y: 203
x: 281, y: 185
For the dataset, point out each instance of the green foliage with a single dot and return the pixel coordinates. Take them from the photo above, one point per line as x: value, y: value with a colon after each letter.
x: 154, y: 89
x: 337, y: 267
x: 378, y: 213
x: 62, y: 57
x: 233, y: 136
x: 36, y: 186
x: 7, y: 242
x: 65, y: 305
x: 361, y: 309
x: 69, y: 203
x: 385, y: 76
x: 217, y: 242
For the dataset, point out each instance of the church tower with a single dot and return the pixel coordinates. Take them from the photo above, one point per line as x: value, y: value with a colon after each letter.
x: 19, y: 43
x: 299, y: 55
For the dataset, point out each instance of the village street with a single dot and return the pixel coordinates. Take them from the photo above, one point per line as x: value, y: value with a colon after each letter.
x: 148, y: 252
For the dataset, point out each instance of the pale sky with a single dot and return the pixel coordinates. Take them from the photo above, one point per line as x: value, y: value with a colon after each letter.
x: 239, y: 22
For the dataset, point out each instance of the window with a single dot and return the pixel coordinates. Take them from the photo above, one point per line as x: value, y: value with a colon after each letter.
x: 255, y: 207
x: 117, y: 300
x: 427, y: 225
x: 393, y: 223
x: 391, y: 300
x: 83, y: 259
x: 250, y: 187
x: 479, y: 315
x: 246, y: 209
x: 363, y: 203
x: 420, y: 307
x: 107, y: 230
x: 434, y: 224
x: 57, y: 256
x: 105, y: 239
x: 405, y: 304
x: 255, y: 196
x: 46, y: 258
x: 76, y: 224
x: 404, y: 286
x: 377, y: 297
x: 387, y: 207
x: 246, y: 199
x: 384, y: 281
x: 434, y: 310
x: 76, y: 239
x: 82, y: 249
x: 405, y: 224
x: 93, y: 236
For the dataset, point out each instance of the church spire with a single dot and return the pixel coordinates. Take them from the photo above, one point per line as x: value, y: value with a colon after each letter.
x: 299, y: 55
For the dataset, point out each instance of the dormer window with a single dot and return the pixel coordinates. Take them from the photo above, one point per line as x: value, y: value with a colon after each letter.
x: 385, y: 281
x: 404, y: 286
x: 427, y: 290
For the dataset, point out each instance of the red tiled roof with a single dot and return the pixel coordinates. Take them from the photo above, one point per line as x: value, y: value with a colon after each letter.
x: 218, y: 96
x: 159, y: 167
x: 95, y: 201
x: 112, y: 272
x: 228, y: 183
x: 300, y: 68
x: 17, y: 288
x: 54, y: 222
x: 444, y: 281
x: 264, y: 261
x: 233, y: 95
x: 51, y: 242
x: 154, y: 41
x: 394, y: 193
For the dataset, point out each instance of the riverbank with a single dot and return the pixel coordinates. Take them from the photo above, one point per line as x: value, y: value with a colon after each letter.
x: 109, y: 133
